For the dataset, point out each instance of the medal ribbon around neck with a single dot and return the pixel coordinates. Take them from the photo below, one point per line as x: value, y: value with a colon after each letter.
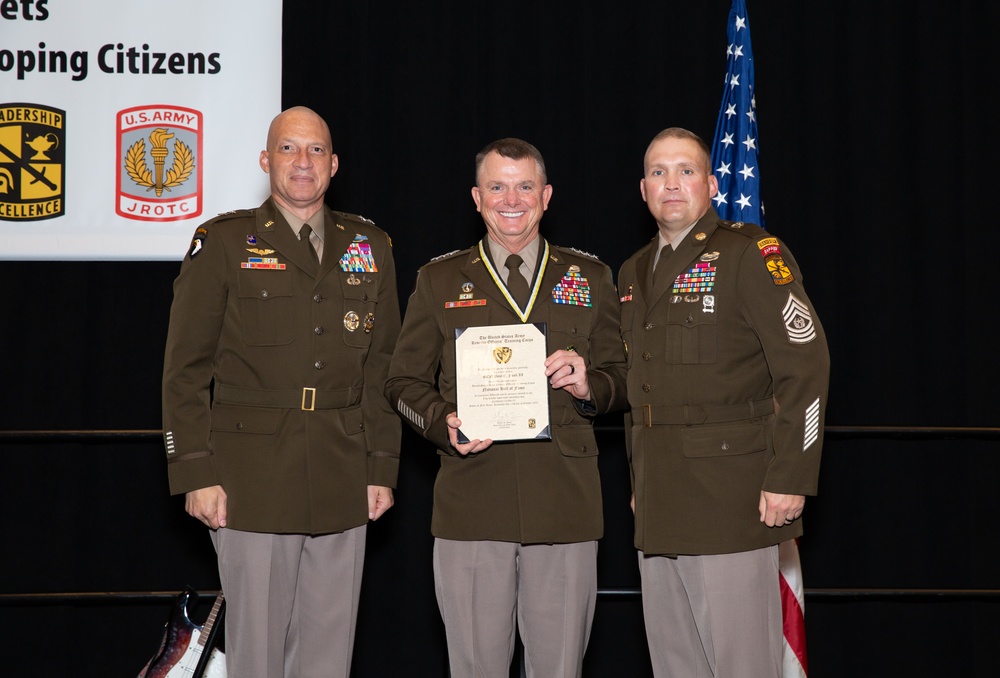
x: 503, y: 288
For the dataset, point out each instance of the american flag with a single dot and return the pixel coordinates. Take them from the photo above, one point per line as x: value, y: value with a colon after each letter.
x: 736, y: 166
x: 734, y: 149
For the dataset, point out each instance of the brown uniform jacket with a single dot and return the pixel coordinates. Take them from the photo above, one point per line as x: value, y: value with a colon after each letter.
x: 295, y: 425
x: 527, y: 492
x: 725, y: 337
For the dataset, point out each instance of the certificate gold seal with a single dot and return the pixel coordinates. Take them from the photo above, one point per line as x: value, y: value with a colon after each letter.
x: 502, y: 354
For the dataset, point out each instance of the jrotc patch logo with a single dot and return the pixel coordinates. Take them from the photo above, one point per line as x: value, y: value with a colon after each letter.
x: 32, y: 162
x: 159, y: 163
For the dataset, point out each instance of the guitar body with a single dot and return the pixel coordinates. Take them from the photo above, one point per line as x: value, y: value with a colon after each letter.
x: 182, y: 646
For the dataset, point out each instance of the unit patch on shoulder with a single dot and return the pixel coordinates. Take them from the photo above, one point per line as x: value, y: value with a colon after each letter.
x: 781, y: 274
x: 798, y: 321
x: 198, y: 242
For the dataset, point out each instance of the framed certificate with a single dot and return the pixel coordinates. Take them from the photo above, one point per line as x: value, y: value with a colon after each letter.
x: 502, y: 390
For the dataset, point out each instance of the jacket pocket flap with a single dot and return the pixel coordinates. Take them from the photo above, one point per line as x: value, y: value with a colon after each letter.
x: 723, y: 441
x: 243, y: 419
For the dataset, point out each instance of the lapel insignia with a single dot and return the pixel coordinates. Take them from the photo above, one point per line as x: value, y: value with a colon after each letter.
x: 628, y: 295
x: 701, y: 278
x: 573, y: 289
x: 269, y: 223
x: 341, y: 227
x: 700, y: 236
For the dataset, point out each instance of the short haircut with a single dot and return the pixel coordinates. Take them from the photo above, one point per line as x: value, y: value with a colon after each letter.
x: 515, y: 149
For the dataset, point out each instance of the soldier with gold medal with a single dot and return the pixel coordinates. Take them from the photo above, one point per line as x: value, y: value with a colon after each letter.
x: 516, y: 524
x: 275, y: 423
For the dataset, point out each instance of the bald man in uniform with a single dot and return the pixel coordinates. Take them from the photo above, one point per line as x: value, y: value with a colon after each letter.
x: 275, y: 423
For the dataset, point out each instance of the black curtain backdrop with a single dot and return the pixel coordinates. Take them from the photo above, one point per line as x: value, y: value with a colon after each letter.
x: 878, y: 140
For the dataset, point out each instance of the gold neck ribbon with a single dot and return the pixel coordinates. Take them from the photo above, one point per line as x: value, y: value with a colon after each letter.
x: 503, y: 288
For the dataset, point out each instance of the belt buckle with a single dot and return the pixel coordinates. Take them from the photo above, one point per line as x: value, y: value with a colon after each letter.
x: 309, y: 395
x: 647, y: 416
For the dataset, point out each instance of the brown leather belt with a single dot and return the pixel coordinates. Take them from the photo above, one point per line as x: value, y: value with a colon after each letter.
x: 308, y: 399
x: 665, y: 415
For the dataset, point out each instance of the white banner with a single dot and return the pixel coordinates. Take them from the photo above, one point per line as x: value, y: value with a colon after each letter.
x: 126, y: 123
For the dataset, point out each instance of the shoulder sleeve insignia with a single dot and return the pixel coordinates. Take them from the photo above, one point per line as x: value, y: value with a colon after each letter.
x: 198, y: 242
x: 770, y: 249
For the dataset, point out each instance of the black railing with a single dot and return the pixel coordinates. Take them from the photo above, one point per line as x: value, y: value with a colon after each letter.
x: 812, y: 595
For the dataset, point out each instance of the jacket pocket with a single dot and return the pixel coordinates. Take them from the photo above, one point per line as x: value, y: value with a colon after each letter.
x: 576, y: 441
x: 691, y: 336
x: 724, y: 441
x: 266, y: 304
x: 244, y: 419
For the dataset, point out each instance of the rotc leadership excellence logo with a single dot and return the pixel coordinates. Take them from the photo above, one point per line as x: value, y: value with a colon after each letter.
x: 159, y: 157
x: 32, y: 162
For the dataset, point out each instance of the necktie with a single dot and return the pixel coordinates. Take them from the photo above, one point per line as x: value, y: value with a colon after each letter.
x: 516, y: 284
x: 304, y: 234
x: 661, y: 263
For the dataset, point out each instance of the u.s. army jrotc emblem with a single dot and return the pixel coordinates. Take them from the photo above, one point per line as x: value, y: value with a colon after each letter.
x: 32, y: 162
x: 159, y: 163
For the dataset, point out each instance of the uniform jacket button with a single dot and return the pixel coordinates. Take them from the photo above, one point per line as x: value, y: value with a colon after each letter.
x: 239, y: 426
x: 318, y: 298
x: 648, y: 326
x: 319, y: 364
x: 318, y: 330
x: 264, y: 294
x: 646, y: 388
x: 647, y: 355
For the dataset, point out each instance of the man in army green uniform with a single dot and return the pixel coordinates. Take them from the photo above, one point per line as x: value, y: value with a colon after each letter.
x: 275, y: 423
x: 728, y: 371
x: 516, y: 523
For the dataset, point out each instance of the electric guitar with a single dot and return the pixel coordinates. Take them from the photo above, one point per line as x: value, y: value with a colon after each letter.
x: 188, y: 650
